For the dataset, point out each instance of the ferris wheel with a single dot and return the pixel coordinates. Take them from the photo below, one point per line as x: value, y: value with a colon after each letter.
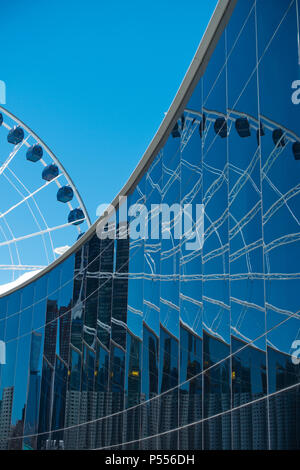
x: 41, y: 211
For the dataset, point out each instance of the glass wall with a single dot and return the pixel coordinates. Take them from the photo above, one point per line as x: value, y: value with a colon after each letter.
x: 155, y: 342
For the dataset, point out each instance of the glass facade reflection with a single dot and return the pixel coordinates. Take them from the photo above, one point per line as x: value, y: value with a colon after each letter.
x: 144, y: 344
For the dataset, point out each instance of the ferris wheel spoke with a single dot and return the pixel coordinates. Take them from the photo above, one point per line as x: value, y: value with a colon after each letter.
x: 10, y: 241
x: 12, y: 155
x: 36, y: 234
x: 32, y: 199
x: 20, y: 267
x: 32, y: 213
x: 31, y: 195
x: 9, y: 249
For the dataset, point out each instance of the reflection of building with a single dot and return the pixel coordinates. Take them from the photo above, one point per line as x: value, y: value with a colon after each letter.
x: 149, y: 344
x: 31, y: 421
x: 5, y: 416
x: 16, y: 431
x: 50, y: 331
x: 72, y: 419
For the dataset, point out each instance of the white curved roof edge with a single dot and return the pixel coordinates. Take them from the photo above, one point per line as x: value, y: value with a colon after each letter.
x: 20, y: 281
x: 213, y: 32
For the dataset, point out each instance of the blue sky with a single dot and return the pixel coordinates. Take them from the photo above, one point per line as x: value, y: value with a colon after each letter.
x: 93, y: 79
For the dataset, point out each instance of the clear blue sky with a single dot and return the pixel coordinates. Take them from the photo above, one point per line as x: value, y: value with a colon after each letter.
x: 93, y: 78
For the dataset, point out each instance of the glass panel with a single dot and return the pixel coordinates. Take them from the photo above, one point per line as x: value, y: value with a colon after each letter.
x: 39, y: 315
x: 40, y: 288
x: 20, y: 392
x: 28, y: 295
x: 3, y: 307
x: 7, y: 393
x: 13, y: 303
x: 12, y: 327
x: 190, y: 437
x: 120, y: 292
x: 73, y: 399
x: 249, y: 376
x: 150, y: 424
x: 168, y: 420
x: 34, y: 389
x: 283, y: 355
x: 284, y: 416
x: 138, y: 228
x: 170, y: 238
x: 217, y: 433
x: 116, y: 396
x: 59, y: 404
x: 249, y: 427
x: 132, y: 422
x: 101, y: 389
x: 45, y: 405
x: 217, y: 396
x: 78, y: 297
x: 105, y: 291
x: 152, y: 247
x: 190, y: 411
x: 92, y: 286
x: 65, y: 310
x: 168, y: 402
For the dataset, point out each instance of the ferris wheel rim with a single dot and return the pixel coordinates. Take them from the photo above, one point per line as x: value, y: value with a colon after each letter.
x: 55, y: 159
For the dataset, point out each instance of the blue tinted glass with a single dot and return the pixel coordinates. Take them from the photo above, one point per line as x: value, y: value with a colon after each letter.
x: 3, y: 307
x: 28, y: 296
x: 12, y: 327
x: 40, y: 291
x: 20, y: 392
x: 34, y: 388
x: 152, y: 248
x: 255, y: 435
x: 136, y: 259
x: 25, y: 321
x: 59, y: 400
x: 13, y: 303
x: 45, y: 405
x: 160, y: 342
x: 284, y: 434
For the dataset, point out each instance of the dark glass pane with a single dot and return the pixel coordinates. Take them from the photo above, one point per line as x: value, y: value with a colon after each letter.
x: 115, y: 402
x: 105, y: 291
x: 91, y: 290
x: 13, y: 303
x: 217, y: 433
x: 7, y: 391
x: 73, y: 401
x: 284, y: 418
x: 3, y: 307
x: 120, y: 293
x: 249, y: 427
x: 59, y: 403
x: 78, y: 297
x: 20, y: 392
x: 217, y: 389
x: 45, y: 406
x: 34, y: 389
